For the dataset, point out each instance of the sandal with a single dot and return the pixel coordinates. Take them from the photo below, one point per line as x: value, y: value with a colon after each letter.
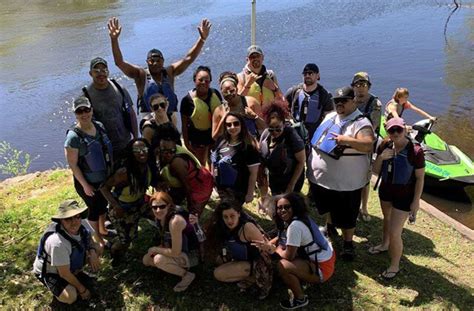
x: 375, y: 250
x: 389, y: 275
x: 187, y: 279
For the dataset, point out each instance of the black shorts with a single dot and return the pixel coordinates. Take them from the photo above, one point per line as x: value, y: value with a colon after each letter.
x: 97, y: 204
x: 398, y: 201
x: 343, y: 206
x: 57, y: 284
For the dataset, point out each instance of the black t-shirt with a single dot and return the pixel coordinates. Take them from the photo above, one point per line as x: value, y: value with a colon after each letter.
x: 241, y: 158
x: 279, y: 156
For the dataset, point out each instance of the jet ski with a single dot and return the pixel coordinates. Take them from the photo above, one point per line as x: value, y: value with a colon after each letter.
x: 448, y: 170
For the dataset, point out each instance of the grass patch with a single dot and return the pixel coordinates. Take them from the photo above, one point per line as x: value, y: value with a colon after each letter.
x: 436, y: 267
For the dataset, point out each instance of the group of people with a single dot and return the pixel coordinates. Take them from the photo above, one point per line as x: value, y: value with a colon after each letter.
x: 245, y: 137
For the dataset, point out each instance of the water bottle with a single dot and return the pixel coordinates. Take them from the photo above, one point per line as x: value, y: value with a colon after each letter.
x: 199, y: 233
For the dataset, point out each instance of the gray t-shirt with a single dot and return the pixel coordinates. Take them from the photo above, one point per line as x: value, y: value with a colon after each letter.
x: 375, y: 111
x: 107, y: 104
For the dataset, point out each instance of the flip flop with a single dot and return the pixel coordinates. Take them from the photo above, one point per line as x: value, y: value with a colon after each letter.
x: 389, y: 275
x: 374, y: 250
x: 187, y: 279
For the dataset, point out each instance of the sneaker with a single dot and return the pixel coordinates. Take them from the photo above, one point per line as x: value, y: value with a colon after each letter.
x: 294, y: 304
x: 348, y: 252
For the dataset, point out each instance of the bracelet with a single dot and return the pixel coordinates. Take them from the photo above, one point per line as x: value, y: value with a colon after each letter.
x: 203, y: 40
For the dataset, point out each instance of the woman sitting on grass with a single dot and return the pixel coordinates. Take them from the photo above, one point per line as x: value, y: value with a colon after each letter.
x: 231, y: 233
x: 178, y: 247
x: 401, y: 167
x: 305, y: 255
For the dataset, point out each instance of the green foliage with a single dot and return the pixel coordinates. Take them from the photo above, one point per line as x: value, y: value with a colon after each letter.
x: 13, y: 162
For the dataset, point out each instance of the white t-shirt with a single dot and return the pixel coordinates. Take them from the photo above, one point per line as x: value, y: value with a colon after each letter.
x: 298, y: 234
x: 58, y: 250
x: 348, y: 173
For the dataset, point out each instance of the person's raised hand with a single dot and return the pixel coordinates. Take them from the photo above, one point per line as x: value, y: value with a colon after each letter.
x: 114, y: 28
x: 204, y: 28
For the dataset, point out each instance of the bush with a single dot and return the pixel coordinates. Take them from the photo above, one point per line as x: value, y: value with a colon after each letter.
x: 13, y: 162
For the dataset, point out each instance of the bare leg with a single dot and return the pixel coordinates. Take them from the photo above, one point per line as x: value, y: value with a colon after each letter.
x: 68, y: 295
x: 232, y: 271
x: 293, y: 271
x: 398, y: 219
x: 102, y: 229
x: 364, y: 200
x: 347, y: 234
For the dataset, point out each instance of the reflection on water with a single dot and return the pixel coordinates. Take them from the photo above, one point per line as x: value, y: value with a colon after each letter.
x: 46, y: 46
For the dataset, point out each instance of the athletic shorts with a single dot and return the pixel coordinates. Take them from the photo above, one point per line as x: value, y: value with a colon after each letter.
x: 343, y: 206
x: 97, y: 204
x: 400, y: 202
x: 57, y: 284
x: 326, y: 268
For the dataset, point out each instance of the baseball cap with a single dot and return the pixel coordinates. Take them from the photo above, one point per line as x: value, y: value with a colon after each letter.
x: 154, y: 53
x: 81, y: 101
x: 311, y: 67
x: 361, y: 76
x: 394, y: 122
x: 345, y: 92
x: 254, y: 49
x: 98, y: 60
x: 69, y: 208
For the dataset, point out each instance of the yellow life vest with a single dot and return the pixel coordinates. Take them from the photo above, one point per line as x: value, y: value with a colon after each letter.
x: 127, y: 197
x: 264, y: 97
x: 202, y: 113
x: 166, y: 175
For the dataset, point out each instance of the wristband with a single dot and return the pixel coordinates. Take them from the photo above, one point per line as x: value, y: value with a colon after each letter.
x: 203, y: 40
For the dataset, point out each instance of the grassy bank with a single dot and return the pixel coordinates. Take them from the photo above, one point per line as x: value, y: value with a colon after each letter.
x: 437, y: 268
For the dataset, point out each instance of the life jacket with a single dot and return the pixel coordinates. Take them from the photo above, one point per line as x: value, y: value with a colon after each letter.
x: 235, y: 249
x: 310, y: 250
x: 165, y: 173
x: 225, y: 171
x: 126, y: 106
x: 323, y: 140
x: 278, y: 161
x: 99, y: 153
x: 189, y: 238
x: 257, y: 90
x: 301, y: 102
x: 151, y: 88
x: 399, y: 170
x: 128, y: 199
x: 201, y: 118
x: 77, y: 258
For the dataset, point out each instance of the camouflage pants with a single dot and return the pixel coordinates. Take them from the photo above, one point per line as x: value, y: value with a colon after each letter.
x: 263, y: 270
x: 127, y: 225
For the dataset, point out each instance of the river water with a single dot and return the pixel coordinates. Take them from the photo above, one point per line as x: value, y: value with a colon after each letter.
x: 46, y: 46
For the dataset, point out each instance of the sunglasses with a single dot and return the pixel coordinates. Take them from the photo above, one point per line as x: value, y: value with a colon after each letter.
x: 275, y: 129
x: 395, y: 129
x: 361, y: 84
x: 161, y: 105
x: 75, y: 217
x: 159, y: 206
x: 99, y: 71
x: 234, y: 124
x: 82, y: 110
x: 286, y: 207
x: 170, y: 150
x: 140, y: 149
x: 341, y: 101
x: 154, y: 60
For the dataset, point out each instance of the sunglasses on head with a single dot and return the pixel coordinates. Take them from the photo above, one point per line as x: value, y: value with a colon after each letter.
x: 395, y: 129
x: 161, y: 105
x: 159, y: 206
x: 234, y: 124
x: 275, y: 129
x: 99, y: 71
x: 82, y: 110
x: 286, y: 207
x: 140, y: 149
